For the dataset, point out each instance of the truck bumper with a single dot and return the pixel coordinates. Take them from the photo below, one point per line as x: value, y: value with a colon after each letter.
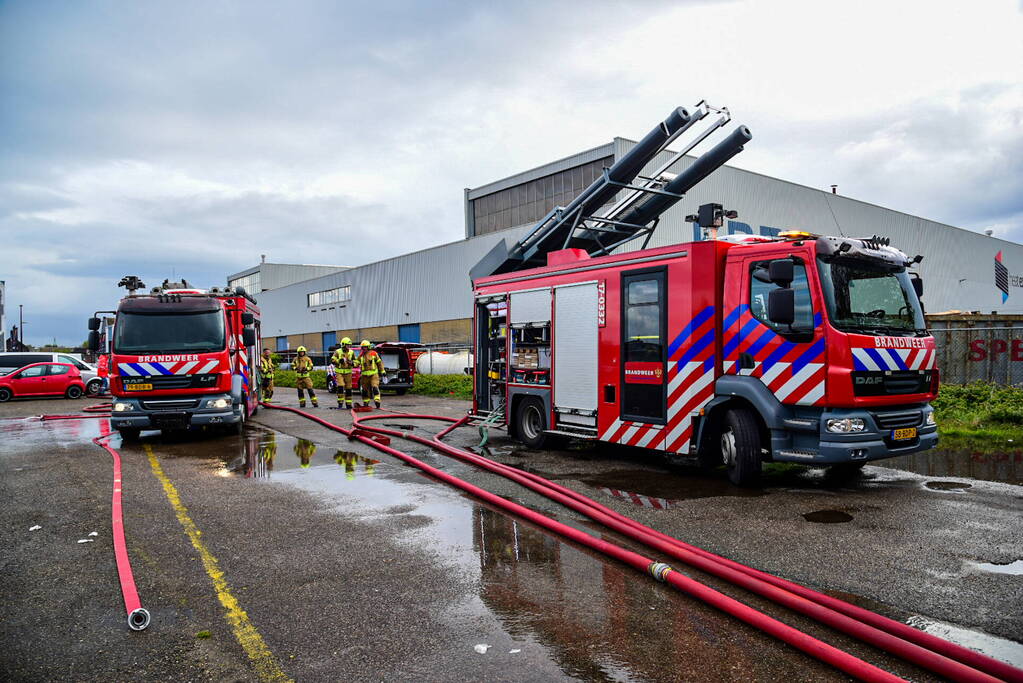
x: 178, y: 414
x: 874, y: 443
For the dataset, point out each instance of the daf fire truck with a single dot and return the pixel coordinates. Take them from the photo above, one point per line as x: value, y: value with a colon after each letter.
x: 736, y: 351
x: 181, y: 357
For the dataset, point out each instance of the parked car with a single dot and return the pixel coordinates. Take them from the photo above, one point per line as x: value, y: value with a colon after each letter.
x: 42, y: 379
x: 12, y: 360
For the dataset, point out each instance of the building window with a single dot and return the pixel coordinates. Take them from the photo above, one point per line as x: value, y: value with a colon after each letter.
x: 251, y: 283
x: 529, y: 202
x: 329, y: 296
x: 282, y: 343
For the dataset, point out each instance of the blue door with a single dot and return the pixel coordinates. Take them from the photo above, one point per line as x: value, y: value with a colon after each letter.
x: 329, y: 339
x: 409, y: 333
x: 282, y: 343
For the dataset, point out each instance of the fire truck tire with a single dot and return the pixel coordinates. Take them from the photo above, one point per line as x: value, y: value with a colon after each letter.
x: 5, y: 394
x: 740, y: 447
x: 531, y: 422
x: 73, y: 392
x: 129, y: 433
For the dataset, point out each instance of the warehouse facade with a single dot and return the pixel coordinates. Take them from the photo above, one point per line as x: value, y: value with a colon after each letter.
x: 426, y: 296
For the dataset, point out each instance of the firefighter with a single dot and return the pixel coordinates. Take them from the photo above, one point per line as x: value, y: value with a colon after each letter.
x: 266, y: 371
x: 343, y: 361
x: 372, y: 369
x: 302, y: 366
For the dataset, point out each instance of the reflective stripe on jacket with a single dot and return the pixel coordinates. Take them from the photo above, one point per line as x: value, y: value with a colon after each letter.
x: 266, y: 366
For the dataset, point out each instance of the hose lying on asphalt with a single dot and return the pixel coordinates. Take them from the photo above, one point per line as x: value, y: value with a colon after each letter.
x: 138, y: 616
x: 662, y: 572
x: 98, y: 410
x: 938, y: 655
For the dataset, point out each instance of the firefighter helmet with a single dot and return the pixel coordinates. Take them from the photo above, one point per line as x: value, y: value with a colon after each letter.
x: 301, y: 349
x: 346, y: 340
x: 365, y: 344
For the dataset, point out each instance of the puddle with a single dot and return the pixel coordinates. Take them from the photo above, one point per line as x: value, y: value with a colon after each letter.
x: 405, y: 428
x: 969, y: 463
x: 1000, y: 648
x: 947, y: 486
x: 265, y: 452
x: 1012, y: 568
x: 828, y: 517
x: 661, y: 490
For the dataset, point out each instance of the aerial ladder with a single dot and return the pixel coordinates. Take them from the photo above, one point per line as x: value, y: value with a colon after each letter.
x: 583, y: 225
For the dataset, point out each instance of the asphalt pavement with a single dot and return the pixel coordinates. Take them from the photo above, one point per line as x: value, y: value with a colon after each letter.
x: 349, y: 565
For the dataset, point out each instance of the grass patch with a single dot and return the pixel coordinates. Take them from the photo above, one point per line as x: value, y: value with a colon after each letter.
x: 979, y: 410
x: 203, y: 634
x: 286, y: 378
x: 452, y: 386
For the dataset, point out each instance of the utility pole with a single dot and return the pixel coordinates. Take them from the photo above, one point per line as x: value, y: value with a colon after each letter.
x: 21, y: 327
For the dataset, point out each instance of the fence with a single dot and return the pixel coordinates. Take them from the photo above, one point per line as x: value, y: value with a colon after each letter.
x: 988, y: 348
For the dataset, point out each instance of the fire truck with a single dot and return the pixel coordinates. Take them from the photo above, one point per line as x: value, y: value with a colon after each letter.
x: 181, y: 357
x: 731, y: 351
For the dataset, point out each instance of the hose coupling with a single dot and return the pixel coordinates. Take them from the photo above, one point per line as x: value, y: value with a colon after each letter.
x: 660, y: 571
x: 138, y: 619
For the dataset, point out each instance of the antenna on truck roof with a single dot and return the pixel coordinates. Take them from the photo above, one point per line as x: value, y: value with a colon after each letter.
x: 579, y: 226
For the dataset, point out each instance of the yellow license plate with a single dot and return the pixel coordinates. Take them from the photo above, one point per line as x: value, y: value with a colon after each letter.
x: 907, y: 433
x: 138, y: 387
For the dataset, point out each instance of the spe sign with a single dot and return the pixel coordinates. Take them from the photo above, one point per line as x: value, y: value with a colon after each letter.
x: 982, y: 349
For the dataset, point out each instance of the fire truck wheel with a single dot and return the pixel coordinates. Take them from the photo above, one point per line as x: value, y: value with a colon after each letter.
x: 5, y: 394
x: 74, y: 391
x: 530, y: 423
x: 740, y: 447
x: 129, y: 433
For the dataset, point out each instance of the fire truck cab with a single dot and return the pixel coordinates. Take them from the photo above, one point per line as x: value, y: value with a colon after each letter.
x: 799, y: 348
x: 181, y: 357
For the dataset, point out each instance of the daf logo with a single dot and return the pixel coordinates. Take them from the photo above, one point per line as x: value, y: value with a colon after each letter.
x: 869, y: 380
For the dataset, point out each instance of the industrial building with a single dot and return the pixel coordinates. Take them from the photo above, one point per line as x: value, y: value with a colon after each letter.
x: 402, y: 298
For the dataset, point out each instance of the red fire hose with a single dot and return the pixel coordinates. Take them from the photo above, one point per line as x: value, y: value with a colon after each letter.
x: 138, y: 616
x: 930, y: 652
x: 662, y: 572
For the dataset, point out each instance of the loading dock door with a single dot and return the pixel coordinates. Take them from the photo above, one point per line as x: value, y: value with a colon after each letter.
x: 575, y: 347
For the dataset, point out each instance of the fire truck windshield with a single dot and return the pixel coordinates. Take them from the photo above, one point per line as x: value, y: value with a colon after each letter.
x: 870, y: 298
x: 199, y: 332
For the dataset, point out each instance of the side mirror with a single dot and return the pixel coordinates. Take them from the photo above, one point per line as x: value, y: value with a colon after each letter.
x: 94, y: 339
x: 918, y: 287
x: 93, y: 324
x: 248, y: 318
x: 249, y: 336
x: 780, y: 271
x: 781, y: 306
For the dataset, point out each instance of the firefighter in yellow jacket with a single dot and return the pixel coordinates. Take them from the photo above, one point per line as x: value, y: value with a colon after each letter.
x: 372, y: 370
x: 343, y: 361
x: 266, y: 371
x: 303, y: 367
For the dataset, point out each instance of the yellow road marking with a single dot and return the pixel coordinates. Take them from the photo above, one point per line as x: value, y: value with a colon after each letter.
x: 248, y: 637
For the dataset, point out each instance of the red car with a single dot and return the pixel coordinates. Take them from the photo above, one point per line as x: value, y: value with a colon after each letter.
x: 42, y: 379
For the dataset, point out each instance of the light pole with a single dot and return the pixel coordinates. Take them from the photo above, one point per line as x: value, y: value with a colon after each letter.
x: 21, y: 327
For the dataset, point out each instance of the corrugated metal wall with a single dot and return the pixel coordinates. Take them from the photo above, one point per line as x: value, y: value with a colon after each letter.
x: 985, y: 347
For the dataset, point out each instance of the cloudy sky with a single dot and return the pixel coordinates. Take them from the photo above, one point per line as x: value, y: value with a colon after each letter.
x: 187, y: 138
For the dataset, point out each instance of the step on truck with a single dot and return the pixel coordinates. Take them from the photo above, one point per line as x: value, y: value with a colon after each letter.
x: 181, y: 357
x: 735, y: 351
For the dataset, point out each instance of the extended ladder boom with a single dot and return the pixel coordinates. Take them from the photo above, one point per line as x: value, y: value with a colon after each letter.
x: 578, y: 226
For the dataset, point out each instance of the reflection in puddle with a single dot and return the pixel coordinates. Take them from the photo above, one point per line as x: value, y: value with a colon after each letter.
x: 260, y: 456
x: 970, y: 463
x: 993, y: 646
x: 947, y: 486
x: 1013, y: 568
x: 828, y: 517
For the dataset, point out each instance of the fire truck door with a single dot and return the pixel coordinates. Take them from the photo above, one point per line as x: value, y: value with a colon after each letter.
x: 575, y: 348
x: 644, y: 346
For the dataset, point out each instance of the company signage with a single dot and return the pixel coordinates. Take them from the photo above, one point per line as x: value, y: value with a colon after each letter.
x: 1004, y: 280
x: 637, y: 372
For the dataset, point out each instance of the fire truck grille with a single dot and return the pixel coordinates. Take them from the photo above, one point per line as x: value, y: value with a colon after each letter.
x: 170, y: 404
x: 897, y: 420
x: 874, y: 383
x: 182, y: 381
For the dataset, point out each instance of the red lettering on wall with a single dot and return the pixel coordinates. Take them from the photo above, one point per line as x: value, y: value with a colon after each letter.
x: 977, y: 352
x: 998, y: 347
x: 1017, y: 349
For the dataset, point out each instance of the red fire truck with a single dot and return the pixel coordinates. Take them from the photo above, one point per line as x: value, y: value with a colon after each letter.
x: 181, y: 357
x: 735, y: 351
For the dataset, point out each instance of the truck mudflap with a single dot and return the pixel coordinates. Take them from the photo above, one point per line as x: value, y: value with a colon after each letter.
x: 801, y: 433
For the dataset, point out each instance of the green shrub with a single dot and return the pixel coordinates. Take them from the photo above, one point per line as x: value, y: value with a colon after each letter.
x: 443, y: 385
x: 286, y: 378
x: 980, y: 409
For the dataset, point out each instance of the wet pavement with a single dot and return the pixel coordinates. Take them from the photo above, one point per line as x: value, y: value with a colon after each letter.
x: 353, y: 566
